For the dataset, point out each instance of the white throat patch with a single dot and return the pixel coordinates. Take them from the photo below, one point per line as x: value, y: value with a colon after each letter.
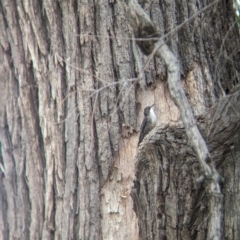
x: 153, y: 116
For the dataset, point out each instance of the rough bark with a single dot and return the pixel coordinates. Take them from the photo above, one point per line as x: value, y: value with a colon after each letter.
x: 180, y: 208
x: 69, y: 121
x: 58, y: 139
x: 144, y: 28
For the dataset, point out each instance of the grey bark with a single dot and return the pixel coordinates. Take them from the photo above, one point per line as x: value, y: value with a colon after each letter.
x: 61, y: 141
x: 180, y: 208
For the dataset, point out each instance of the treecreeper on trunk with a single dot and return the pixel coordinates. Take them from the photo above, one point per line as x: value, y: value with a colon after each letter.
x: 148, y: 123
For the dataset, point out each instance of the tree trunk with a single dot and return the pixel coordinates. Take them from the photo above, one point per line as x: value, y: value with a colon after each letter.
x: 71, y: 105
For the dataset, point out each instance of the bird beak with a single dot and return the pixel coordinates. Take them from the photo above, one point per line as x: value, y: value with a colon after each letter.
x: 152, y: 105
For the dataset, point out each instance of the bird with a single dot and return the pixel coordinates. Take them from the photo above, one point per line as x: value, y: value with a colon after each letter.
x: 148, y: 123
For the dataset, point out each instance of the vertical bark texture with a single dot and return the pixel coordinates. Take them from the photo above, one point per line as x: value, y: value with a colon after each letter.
x: 60, y: 125
x: 69, y: 113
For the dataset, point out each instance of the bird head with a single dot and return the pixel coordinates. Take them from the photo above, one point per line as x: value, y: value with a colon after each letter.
x: 147, y: 110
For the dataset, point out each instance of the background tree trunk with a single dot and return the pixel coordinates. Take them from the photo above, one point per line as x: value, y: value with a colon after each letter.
x: 70, y: 111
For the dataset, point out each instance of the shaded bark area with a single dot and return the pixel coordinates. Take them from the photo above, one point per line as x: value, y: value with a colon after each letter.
x: 167, y: 199
x: 204, y: 41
